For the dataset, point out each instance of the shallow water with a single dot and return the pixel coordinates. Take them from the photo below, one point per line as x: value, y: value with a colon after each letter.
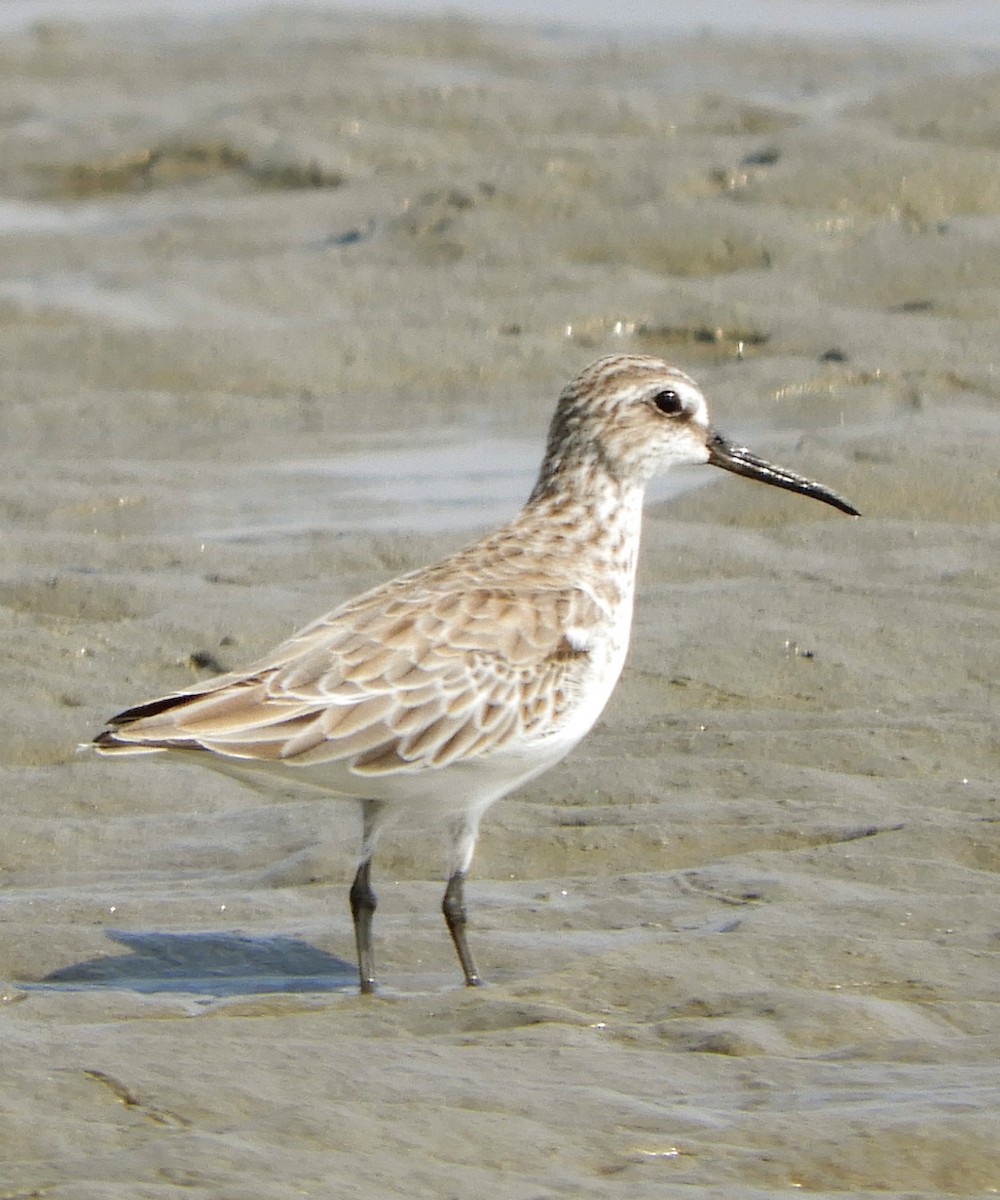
x: 968, y: 21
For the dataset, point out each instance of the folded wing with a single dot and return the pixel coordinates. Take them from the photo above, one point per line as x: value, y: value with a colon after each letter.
x: 392, y: 685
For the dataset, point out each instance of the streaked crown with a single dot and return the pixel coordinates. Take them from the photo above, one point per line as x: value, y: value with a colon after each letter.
x: 627, y: 415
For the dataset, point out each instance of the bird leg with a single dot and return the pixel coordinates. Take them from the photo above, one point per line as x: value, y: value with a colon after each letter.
x: 453, y: 907
x: 363, y: 905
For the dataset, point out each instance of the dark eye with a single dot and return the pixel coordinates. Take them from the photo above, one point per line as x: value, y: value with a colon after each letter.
x: 669, y: 402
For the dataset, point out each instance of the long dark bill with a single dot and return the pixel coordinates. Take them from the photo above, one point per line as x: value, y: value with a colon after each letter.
x: 740, y: 461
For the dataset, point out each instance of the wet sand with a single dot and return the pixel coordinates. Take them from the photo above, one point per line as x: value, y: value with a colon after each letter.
x: 276, y: 298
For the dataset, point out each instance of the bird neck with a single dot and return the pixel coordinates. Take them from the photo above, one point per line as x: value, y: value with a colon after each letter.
x: 588, y: 523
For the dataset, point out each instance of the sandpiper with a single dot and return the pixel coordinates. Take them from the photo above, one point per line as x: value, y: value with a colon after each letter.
x: 433, y: 695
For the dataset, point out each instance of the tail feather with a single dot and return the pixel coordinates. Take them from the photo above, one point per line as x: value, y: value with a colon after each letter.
x: 109, y: 743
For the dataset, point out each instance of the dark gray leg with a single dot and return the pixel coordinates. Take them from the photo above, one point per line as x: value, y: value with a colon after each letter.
x: 363, y: 898
x: 363, y: 905
x: 453, y: 907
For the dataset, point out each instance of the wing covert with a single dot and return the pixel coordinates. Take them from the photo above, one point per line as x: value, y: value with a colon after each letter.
x: 419, y: 681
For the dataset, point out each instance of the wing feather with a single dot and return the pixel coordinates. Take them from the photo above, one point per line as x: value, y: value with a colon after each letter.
x: 423, y: 680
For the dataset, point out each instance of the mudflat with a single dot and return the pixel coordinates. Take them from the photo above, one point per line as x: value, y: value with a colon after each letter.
x: 285, y: 303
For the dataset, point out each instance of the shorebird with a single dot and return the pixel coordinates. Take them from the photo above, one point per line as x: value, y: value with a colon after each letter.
x: 431, y: 696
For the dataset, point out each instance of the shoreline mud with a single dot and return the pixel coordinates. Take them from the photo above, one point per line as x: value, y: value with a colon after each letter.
x: 744, y: 940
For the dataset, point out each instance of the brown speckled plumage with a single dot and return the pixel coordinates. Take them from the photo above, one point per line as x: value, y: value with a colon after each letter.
x: 442, y: 690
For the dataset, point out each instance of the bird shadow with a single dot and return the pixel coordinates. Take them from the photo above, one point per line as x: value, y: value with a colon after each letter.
x: 213, y: 964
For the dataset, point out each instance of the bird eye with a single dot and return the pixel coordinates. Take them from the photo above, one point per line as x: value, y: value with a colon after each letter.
x: 669, y: 402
